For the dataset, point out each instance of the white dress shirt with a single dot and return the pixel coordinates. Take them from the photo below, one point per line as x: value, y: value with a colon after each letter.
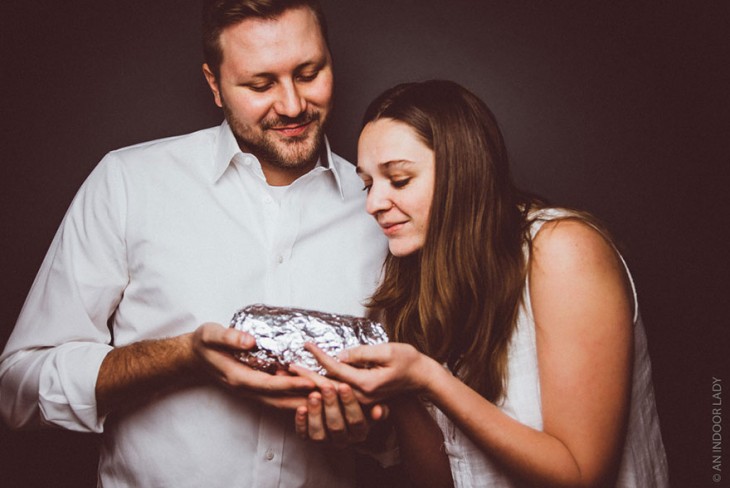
x: 162, y: 237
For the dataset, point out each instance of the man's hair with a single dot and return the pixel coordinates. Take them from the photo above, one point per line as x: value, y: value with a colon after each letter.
x: 220, y: 14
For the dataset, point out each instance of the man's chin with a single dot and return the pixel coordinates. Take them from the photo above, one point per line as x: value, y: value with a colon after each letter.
x: 298, y: 152
x: 293, y: 152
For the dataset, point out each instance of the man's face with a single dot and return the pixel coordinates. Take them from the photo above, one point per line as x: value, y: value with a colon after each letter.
x: 275, y: 88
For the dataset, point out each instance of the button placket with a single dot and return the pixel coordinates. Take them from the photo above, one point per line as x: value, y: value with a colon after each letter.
x: 287, y: 229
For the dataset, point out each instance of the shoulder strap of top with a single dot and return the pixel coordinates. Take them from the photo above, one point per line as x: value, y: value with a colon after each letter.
x: 540, y: 216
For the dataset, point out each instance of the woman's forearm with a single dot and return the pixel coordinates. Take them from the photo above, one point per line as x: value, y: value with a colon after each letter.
x: 534, y: 456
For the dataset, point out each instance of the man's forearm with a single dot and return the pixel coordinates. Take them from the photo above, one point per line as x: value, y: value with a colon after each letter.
x: 134, y: 373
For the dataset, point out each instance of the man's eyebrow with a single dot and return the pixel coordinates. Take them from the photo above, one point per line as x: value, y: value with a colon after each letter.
x: 316, y: 63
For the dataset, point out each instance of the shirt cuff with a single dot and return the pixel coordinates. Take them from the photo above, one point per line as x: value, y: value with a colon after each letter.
x: 67, y: 387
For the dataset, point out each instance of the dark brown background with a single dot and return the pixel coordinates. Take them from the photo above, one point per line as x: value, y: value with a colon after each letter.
x: 619, y: 109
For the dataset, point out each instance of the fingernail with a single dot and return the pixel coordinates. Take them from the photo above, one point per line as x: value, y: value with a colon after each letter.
x: 313, y: 401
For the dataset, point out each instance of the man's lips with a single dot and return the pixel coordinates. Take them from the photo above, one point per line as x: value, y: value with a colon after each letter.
x: 292, y: 130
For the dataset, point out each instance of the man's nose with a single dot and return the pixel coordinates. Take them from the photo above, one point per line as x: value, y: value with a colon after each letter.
x: 290, y: 101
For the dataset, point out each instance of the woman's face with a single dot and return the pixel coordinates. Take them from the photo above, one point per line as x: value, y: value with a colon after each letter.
x: 398, y: 170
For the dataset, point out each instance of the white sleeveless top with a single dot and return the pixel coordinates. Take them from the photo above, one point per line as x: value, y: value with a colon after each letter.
x: 643, y: 464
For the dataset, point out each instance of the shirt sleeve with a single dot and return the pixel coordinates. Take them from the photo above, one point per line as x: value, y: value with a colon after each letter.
x: 49, y: 367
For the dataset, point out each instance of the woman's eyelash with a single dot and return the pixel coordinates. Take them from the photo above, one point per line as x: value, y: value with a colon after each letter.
x: 394, y: 183
x: 400, y: 183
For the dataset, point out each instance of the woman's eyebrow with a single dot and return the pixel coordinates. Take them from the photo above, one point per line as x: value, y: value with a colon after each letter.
x: 387, y: 165
x: 396, y: 163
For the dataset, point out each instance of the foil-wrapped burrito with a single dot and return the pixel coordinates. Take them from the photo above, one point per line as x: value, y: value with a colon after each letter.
x: 281, y: 333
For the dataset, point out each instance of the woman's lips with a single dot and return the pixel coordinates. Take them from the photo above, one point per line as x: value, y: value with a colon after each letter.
x: 391, y: 229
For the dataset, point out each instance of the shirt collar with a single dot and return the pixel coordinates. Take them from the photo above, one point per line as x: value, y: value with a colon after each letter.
x: 227, y: 150
x: 328, y: 164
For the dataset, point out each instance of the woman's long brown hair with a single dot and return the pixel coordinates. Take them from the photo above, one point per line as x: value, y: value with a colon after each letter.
x: 458, y: 297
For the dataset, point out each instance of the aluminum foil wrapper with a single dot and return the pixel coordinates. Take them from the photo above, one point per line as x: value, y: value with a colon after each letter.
x: 282, y: 332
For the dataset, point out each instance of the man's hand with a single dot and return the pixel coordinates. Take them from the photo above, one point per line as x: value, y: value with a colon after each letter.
x: 214, y: 346
x: 134, y: 373
x: 333, y: 413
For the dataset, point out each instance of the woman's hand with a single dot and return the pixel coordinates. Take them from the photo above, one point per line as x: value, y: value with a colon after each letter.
x: 380, y: 371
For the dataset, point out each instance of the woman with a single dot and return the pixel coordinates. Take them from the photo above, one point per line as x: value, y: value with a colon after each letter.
x: 513, y: 324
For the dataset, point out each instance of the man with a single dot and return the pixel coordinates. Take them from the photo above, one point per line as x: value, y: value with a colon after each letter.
x: 171, y: 234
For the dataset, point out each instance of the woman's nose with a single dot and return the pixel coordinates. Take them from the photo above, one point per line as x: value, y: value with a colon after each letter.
x: 378, y: 199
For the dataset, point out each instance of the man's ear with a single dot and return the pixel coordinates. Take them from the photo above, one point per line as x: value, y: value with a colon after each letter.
x: 213, y: 84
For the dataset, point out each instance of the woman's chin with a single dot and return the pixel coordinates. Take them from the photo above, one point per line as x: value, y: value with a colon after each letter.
x: 401, y: 250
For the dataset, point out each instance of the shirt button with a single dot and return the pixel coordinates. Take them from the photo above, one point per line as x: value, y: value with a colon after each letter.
x: 280, y: 259
x: 269, y: 455
x: 267, y: 200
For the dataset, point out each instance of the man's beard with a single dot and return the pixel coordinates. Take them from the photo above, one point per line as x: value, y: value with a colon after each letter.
x: 291, y: 153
